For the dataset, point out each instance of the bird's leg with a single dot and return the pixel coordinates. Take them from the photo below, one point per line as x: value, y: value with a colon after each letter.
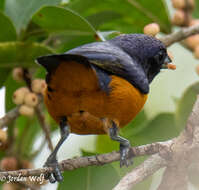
x: 125, y: 154
x: 52, y: 159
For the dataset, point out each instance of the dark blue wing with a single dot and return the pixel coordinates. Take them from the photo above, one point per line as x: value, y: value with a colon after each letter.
x: 107, y: 57
x: 114, y: 60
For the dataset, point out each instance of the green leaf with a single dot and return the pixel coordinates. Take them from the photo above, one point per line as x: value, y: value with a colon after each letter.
x: 28, y: 129
x: 3, y: 76
x: 102, y: 17
x: 70, y: 42
x: 134, y: 15
x: 185, y: 105
x: 20, y: 11
x: 40, y: 73
x: 57, y: 20
x: 144, y: 185
x: 196, y: 10
x: 2, y: 4
x: 161, y: 128
x: 104, y: 144
x: 136, y: 125
x: 8, y: 32
x: 90, y: 178
x: 21, y: 54
x: 87, y: 153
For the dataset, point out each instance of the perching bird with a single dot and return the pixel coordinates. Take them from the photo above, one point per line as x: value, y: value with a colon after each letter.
x: 100, y: 87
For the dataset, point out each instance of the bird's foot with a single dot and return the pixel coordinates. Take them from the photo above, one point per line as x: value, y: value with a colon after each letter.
x: 56, y: 175
x: 126, y: 155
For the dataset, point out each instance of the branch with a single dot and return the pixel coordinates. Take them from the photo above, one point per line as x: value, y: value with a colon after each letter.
x: 173, y: 179
x: 180, y: 35
x: 9, y: 117
x: 46, y: 129
x: 141, y: 172
x: 79, y: 162
x: 14, y: 113
x: 185, y: 151
x: 44, y: 126
x: 177, y: 155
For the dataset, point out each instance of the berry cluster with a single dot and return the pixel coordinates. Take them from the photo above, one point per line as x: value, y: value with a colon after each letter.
x: 25, y: 97
x: 183, y: 18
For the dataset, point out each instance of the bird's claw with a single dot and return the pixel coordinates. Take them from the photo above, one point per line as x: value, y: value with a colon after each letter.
x: 126, y: 156
x: 56, y: 175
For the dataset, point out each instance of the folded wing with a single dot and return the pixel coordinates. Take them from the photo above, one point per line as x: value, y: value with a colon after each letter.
x: 107, y: 57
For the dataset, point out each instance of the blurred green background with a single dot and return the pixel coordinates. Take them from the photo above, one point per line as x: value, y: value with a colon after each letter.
x: 33, y: 28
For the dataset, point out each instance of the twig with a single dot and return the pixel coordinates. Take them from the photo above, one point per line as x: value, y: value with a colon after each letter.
x: 187, y: 12
x: 79, y: 162
x: 141, y: 172
x: 180, y: 35
x: 9, y: 117
x: 27, y: 78
x: 44, y: 126
x: 41, y: 118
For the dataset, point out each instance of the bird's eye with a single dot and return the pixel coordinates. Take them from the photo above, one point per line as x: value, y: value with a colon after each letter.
x: 160, y: 55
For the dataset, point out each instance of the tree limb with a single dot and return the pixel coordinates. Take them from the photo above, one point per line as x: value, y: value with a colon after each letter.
x: 44, y: 126
x: 180, y: 35
x: 185, y: 151
x: 141, y: 172
x: 178, y: 155
x: 79, y: 162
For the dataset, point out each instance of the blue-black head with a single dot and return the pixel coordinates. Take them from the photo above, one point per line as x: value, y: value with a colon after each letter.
x: 148, y: 51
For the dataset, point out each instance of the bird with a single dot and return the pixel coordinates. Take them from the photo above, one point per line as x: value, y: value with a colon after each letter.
x: 98, y: 88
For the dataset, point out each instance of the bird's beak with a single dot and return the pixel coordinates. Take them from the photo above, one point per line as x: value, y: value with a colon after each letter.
x: 167, y: 64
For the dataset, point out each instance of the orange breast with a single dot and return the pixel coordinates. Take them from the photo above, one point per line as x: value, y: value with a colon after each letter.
x: 75, y: 89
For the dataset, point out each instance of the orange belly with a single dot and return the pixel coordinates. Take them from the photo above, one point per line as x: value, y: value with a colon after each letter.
x: 75, y: 89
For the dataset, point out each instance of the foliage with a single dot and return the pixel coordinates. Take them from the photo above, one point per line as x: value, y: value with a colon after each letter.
x: 34, y: 28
